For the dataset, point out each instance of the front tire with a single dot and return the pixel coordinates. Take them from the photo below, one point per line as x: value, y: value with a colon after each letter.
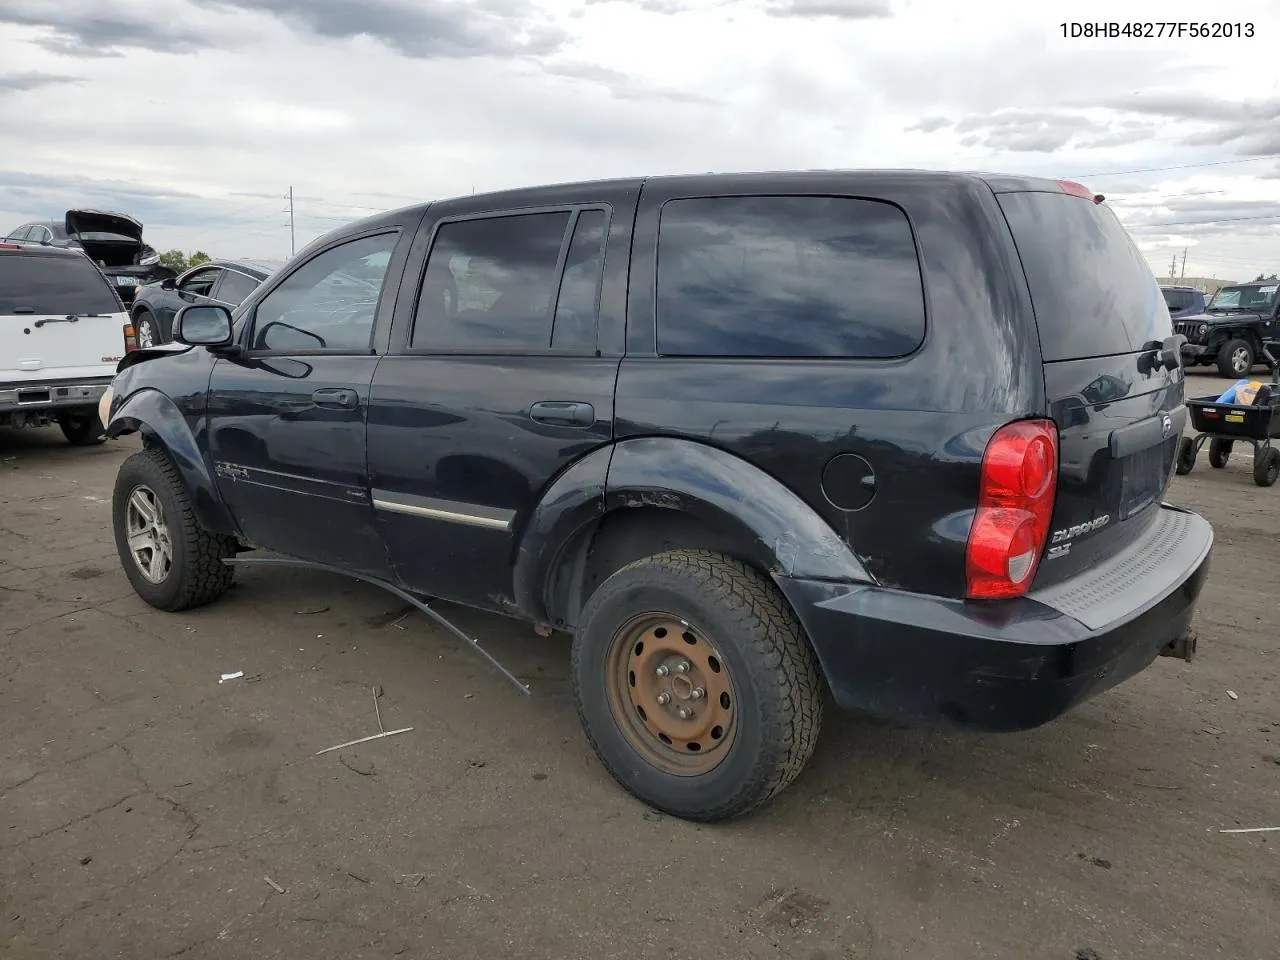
x: 172, y: 562
x: 1236, y: 358
x: 695, y: 684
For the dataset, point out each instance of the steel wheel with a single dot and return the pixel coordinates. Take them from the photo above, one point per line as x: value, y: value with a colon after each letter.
x: 148, y: 535
x: 671, y: 694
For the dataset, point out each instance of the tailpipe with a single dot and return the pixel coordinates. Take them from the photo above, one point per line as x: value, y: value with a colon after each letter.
x: 1183, y: 647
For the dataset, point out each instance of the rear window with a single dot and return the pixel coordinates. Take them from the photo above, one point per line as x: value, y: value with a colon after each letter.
x: 1093, y: 293
x: 787, y: 277
x: 53, y: 285
x: 1177, y: 299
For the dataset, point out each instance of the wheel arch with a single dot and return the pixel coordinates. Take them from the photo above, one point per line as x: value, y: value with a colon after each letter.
x: 162, y: 426
x: 648, y: 495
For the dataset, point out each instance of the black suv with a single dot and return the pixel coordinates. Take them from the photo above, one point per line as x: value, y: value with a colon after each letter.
x: 739, y: 435
x: 1233, y: 327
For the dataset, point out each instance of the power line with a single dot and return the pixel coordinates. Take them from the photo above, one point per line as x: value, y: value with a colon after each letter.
x: 1183, y: 166
x: 1191, y: 223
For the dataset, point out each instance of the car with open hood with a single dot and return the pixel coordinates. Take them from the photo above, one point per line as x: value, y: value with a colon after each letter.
x: 1233, y: 327
x: 111, y: 240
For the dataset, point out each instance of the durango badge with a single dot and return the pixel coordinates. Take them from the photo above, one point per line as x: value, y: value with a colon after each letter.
x: 1070, y: 533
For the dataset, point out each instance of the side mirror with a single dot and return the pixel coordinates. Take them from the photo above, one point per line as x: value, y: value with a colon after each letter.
x: 203, y: 325
x: 168, y: 283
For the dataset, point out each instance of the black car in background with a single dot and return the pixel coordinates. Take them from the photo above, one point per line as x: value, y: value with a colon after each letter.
x: 1231, y: 330
x: 221, y: 281
x: 111, y: 240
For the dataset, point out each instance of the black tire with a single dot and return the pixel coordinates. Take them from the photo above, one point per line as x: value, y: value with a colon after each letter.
x: 1266, y: 467
x: 196, y: 574
x: 1186, y: 455
x: 1219, y: 453
x: 145, y: 319
x: 776, y: 682
x: 1236, y: 359
x: 82, y: 429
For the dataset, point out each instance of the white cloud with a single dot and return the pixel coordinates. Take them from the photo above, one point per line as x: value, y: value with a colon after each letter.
x: 197, y: 115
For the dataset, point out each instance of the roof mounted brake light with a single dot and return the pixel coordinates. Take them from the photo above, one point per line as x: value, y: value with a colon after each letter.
x: 1073, y: 189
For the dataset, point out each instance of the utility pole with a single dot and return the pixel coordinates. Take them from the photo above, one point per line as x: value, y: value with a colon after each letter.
x: 1183, y: 275
x: 1173, y: 266
x: 293, y: 247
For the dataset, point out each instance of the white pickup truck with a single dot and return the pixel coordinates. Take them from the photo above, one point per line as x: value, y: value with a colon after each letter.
x: 63, y: 329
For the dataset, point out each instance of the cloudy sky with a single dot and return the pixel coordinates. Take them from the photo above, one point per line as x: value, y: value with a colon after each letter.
x: 196, y: 116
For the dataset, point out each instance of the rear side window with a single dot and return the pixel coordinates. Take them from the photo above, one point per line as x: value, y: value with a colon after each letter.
x: 787, y: 277
x: 53, y: 285
x: 235, y: 286
x: 491, y: 284
x: 1092, y: 291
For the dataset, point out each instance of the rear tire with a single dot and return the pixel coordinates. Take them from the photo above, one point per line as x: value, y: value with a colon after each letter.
x: 717, y: 626
x: 82, y: 429
x: 1186, y: 456
x: 172, y: 562
x: 1266, y: 467
x: 1219, y: 453
x: 1236, y: 358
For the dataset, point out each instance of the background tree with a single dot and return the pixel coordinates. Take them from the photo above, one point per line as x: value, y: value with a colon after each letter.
x: 178, y: 261
x: 1263, y: 277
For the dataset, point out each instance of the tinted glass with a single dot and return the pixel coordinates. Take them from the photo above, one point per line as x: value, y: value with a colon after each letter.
x: 577, y: 305
x: 53, y: 286
x: 1093, y: 293
x: 489, y: 284
x: 235, y: 287
x: 1177, y: 299
x: 201, y: 282
x: 787, y: 277
x: 329, y: 303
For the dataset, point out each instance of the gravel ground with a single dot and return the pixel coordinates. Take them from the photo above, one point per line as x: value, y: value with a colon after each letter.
x: 144, y: 805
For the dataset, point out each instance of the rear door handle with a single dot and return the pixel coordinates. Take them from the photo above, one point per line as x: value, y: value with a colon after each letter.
x: 337, y: 398
x: 570, y: 413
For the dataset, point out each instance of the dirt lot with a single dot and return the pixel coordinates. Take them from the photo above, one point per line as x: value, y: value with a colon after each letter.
x: 143, y: 804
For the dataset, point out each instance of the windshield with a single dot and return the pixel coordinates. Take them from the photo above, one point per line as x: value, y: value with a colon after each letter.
x: 1261, y: 298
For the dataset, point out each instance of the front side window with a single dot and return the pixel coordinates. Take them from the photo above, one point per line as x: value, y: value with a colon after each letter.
x: 329, y: 303
x: 200, y: 283
x: 787, y: 277
x: 491, y: 284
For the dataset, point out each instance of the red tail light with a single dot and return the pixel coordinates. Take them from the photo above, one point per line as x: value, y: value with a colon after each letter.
x: 130, y: 338
x: 9, y: 246
x: 1015, y: 504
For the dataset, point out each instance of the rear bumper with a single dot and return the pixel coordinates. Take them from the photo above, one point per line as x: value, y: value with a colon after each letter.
x: 1013, y: 665
x: 55, y: 395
